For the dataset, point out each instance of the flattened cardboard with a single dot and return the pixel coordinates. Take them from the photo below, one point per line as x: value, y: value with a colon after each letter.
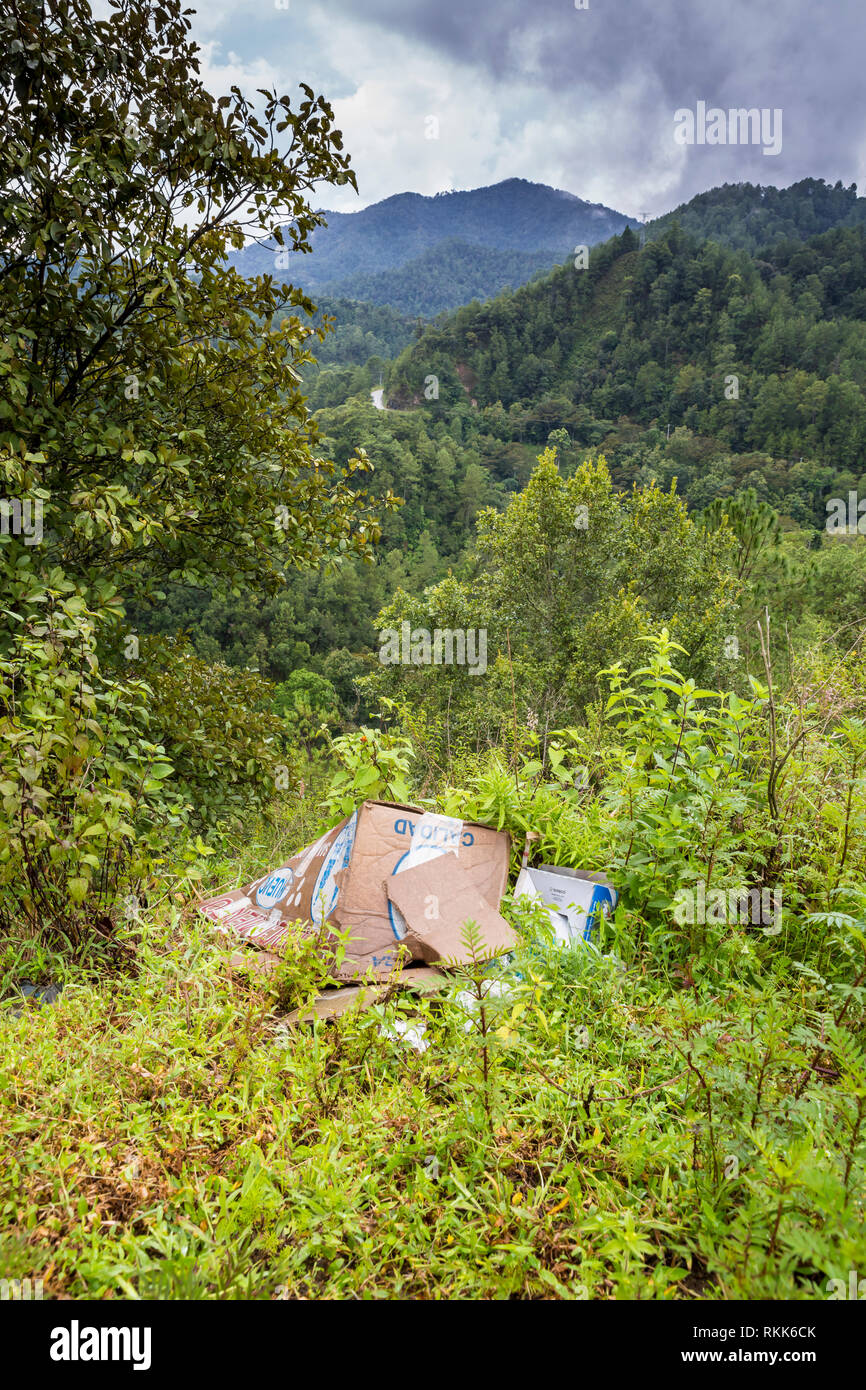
x: 423, y: 979
x: 340, y: 880
x: 305, y: 889
x: 437, y: 901
x: 261, y: 963
x: 334, y: 1002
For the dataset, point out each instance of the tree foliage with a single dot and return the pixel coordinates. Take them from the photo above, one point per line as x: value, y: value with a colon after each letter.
x: 145, y: 403
x: 151, y: 405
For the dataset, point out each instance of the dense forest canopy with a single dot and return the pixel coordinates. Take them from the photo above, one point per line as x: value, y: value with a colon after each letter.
x: 684, y: 362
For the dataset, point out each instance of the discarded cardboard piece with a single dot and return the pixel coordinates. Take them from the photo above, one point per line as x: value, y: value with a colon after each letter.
x: 436, y: 908
x: 261, y: 963
x: 345, y: 877
x: 334, y: 1002
x: 575, y: 899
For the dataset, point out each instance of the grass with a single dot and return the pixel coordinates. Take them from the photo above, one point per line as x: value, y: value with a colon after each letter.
x: 166, y: 1135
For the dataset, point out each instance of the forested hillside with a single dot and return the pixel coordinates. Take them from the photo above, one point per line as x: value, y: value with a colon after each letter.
x: 752, y: 215
x: 765, y: 356
x: 359, y: 331
x: 451, y: 273
x: 682, y: 361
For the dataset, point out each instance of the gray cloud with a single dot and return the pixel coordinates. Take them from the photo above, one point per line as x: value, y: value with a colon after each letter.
x: 584, y: 99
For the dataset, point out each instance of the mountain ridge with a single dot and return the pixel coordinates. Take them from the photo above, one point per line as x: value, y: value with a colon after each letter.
x: 513, y: 218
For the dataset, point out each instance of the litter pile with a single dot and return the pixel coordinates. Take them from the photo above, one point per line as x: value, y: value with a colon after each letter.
x: 395, y: 877
x: 392, y: 876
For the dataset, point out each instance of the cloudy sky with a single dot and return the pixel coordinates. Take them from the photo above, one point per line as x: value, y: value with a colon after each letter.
x: 582, y: 99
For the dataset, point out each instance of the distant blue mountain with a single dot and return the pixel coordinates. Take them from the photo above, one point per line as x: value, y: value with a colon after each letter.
x: 424, y: 254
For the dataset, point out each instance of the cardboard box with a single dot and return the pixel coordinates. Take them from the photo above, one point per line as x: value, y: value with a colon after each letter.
x: 343, y: 877
x: 574, y: 899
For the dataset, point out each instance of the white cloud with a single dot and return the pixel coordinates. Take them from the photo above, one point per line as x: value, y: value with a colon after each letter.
x: 488, y: 130
x: 220, y: 72
x: 580, y: 100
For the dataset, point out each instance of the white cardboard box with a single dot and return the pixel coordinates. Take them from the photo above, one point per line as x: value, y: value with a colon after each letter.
x: 574, y: 899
